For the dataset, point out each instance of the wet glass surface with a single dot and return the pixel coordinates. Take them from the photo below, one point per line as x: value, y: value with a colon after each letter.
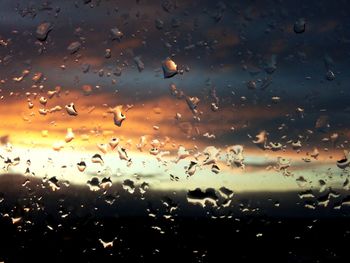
x: 177, y: 130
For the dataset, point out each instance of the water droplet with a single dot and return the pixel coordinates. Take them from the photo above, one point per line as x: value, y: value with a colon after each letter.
x: 53, y: 183
x: 192, y: 103
x: 179, y: 94
x: 69, y: 135
x: 74, y: 47
x: 174, y: 178
x: 20, y: 78
x: 55, y: 109
x: 211, y: 153
x: 43, y: 30
x: 159, y: 24
x: 226, y: 192
x: 116, y: 34
x: 110, y: 199
x: 70, y: 108
x: 214, y: 107
x: 139, y: 63
x: 235, y: 155
x: 81, y: 166
x: 330, y: 75
x: 106, y: 183
x: 315, y: 153
x: 275, y: 99
x: 93, y: 184
x: 197, y: 196
x: 169, y: 68
x: 296, y: 145
x: 129, y: 186
x: 113, y: 143
x: 43, y: 111
x: 345, y: 162
x: 251, y: 84
x: 106, y: 244
x: 191, y: 168
x: 123, y: 155
x: 143, y: 187
x: 38, y: 77
x: 273, y: 146
x: 118, y: 116
x: 215, y: 168
x: 182, y: 153
x: 108, y: 53
x: 102, y: 147
x: 141, y: 143
x: 16, y: 220
x: 299, y: 26
x: 96, y: 158
x: 57, y: 146
x: 283, y: 164
x: 261, y: 139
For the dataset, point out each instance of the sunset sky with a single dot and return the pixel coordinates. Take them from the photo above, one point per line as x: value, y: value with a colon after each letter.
x: 244, y: 58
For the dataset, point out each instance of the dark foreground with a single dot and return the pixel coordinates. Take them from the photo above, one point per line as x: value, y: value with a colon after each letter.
x: 38, y: 225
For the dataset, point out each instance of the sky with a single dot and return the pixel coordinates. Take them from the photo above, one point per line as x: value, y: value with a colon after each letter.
x: 244, y: 61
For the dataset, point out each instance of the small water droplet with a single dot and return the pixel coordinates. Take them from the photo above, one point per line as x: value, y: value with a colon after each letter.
x: 169, y: 68
x: 70, y: 108
x: 43, y: 30
x: 299, y: 26
x: 81, y: 166
x: 96, y: 158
